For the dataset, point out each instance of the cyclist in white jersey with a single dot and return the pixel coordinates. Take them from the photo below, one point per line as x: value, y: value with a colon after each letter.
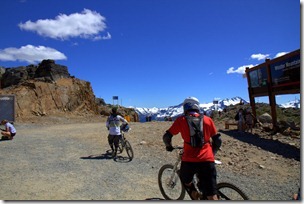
x: 113, y: 124
x: 9, y: 132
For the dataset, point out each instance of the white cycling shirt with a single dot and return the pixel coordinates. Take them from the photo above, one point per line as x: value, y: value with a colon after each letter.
x: 113, y: 124
x: 11, y: 128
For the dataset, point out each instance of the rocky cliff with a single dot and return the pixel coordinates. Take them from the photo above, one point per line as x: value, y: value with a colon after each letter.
x: 66, y: 95
x: 46, y: 71
x: 49, y: 90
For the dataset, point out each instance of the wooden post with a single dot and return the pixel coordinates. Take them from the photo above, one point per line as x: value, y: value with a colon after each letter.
x: 251, y: 98
x: 271, y: 95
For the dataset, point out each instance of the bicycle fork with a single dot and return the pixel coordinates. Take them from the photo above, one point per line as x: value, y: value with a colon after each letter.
x: 175, y: 175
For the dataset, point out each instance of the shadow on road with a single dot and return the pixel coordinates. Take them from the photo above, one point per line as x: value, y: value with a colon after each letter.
x: 122, y: 159
x: 98, y: 157
x: 107, y: 156
x: 3, y: 139
x: 154, y: 199
x: 274, y: 146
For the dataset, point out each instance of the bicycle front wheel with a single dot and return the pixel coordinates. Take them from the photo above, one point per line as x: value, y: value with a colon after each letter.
x: 129, y: 149
x: 170, y: 184
x: 121, y: 145
x: 228, y: 191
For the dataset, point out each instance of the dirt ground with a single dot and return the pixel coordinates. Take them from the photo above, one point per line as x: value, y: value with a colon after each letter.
x: 57, y: 158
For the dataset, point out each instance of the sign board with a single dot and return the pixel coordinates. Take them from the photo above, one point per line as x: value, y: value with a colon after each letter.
x: 282, y: 75
x: 286, y: 71
x: 258, y: 77
x: 115, y: 97
x: 7, y: 107
x: 274, y: 77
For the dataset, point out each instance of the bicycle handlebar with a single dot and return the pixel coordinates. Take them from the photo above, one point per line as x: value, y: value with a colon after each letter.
x: 126, y: 130
x: 182, y: 148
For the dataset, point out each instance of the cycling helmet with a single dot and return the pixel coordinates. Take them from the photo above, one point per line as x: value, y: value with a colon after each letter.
x: 114, y: 110
x: 191, y: 103
x: 125, y: 128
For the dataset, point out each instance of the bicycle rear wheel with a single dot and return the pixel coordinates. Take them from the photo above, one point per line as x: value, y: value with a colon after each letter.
x: 228, y: 191
x: 129, y: 149
x: 170, y: 184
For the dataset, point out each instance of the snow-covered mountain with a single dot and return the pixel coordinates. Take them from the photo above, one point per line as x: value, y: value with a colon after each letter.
x: 291, y: 104
x: 174, y: 111
x: 159, y: 114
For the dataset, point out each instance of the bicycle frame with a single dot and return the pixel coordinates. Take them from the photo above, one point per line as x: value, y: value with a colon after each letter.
x: 125, y: 144
x: 176, y: 168
x: 171, y: 183
x: 176, y: 165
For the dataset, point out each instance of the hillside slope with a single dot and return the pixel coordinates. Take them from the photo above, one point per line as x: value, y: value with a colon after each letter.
x: 66, y: 95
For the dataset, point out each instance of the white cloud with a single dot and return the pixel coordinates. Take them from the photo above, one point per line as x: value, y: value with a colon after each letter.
x: 259, y: 56
x: 30, y: 54
x: 280, y: 54
x: 87, y: 24
x: 240, y: 70
x: 107, y: 37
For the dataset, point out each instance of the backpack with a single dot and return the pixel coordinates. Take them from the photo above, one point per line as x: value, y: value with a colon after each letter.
x: 196, y: 130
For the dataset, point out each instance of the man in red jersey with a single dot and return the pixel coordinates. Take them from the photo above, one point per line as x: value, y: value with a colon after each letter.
x: 198, y: 159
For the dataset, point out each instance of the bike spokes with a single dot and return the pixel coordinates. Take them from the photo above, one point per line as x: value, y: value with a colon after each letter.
x: 129, y: 150
x: 170, y: 184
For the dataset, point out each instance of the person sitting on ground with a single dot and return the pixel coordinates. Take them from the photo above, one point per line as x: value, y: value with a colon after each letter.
x: 9, y: 132
x: 113, y: 124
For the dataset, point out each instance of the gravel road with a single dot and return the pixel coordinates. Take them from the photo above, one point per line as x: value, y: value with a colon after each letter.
x: 71, y: 161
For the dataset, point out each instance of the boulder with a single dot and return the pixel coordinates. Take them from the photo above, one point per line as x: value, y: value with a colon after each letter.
x: 47, y: 71
x: 265, y: 118
x: 13, y: 76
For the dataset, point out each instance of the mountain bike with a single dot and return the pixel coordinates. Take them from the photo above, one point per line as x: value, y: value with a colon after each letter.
x: 172, y: 188
x: 124, y: 144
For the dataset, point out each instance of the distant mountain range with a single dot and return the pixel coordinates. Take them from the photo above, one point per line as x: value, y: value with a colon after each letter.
x: 291, y: 104
x: 159, y: 114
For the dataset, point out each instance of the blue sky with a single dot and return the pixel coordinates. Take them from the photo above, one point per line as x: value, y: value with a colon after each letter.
x: 152, y: 53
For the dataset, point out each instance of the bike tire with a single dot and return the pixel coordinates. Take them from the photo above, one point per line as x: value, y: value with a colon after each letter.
x: 167, y: 189
x: 129, y: 149
x: 228, y: 191
x: 121, y: 145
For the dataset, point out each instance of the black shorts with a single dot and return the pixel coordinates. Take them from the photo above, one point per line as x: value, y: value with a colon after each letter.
x: 114, y: 139
x: 206, y: 174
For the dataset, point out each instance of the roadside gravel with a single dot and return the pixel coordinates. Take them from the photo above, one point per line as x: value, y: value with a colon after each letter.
x: 70, y: 161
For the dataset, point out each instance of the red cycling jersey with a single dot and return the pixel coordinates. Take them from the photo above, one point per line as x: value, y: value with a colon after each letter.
x: 192, y: 154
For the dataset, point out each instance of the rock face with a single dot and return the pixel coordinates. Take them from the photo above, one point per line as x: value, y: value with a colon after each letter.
x: 49, y: 90
x: 67, y: 95
x: 47, y: 71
